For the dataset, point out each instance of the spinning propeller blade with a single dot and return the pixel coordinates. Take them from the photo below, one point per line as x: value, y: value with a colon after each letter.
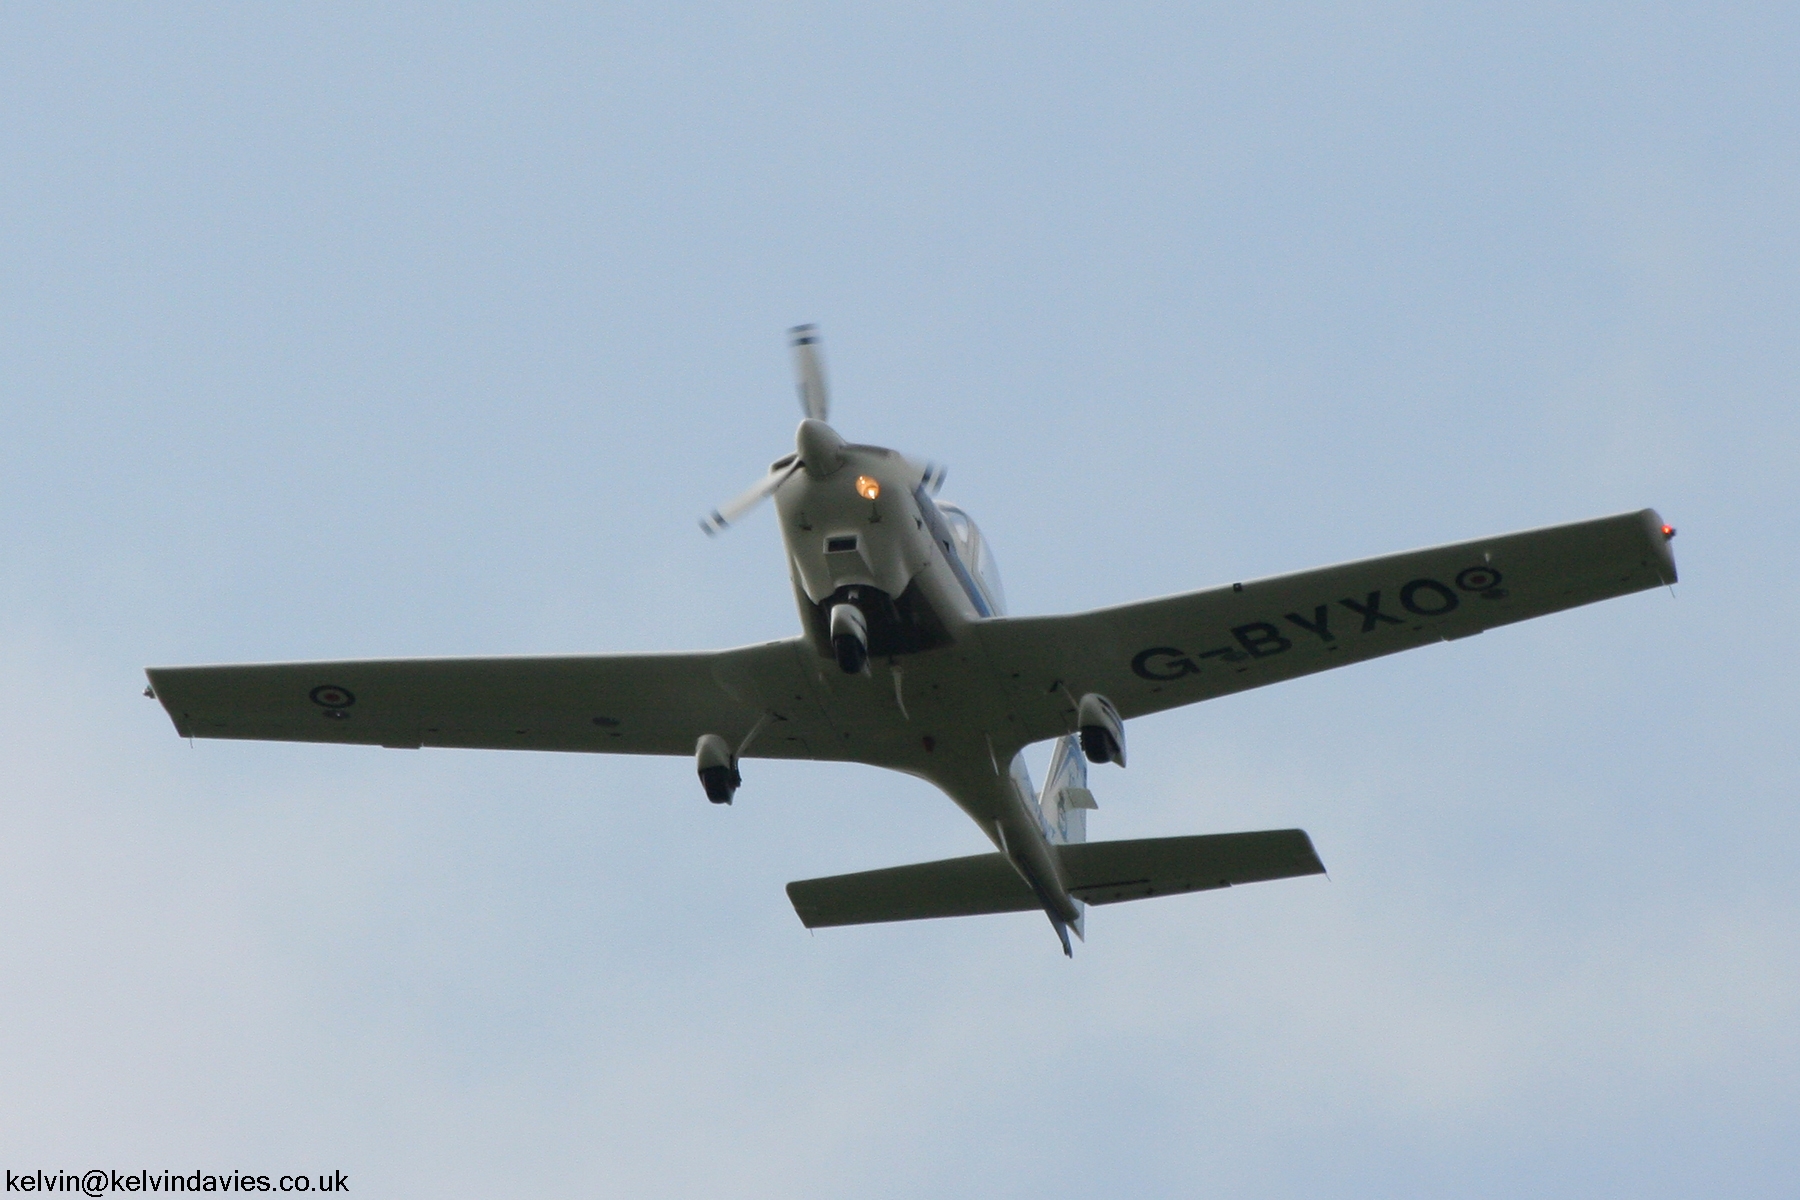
x: 809, y: 372
x: 727, y: 515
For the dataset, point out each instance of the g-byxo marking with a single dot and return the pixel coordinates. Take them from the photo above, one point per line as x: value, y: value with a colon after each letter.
x: 1264, y: 639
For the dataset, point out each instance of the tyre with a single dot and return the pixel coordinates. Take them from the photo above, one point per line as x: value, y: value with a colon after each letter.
x: 852, y: 655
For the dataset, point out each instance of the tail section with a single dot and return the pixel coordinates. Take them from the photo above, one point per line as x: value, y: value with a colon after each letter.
x: 1086, y: 872
x: 1096, y: 872
x: 1065, y: 800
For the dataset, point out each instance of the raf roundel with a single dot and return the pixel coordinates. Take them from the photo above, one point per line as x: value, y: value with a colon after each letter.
x: 1478, y: 579
x: 330, y: 695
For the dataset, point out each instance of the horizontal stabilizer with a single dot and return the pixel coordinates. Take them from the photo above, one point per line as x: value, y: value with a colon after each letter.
x: 1108, y: 872
x: 1097, y: 872
x: 950, y: 887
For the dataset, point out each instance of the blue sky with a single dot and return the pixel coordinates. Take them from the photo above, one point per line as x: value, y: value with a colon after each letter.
x: 339, y: 331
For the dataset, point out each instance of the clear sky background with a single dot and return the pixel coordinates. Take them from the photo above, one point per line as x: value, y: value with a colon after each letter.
x: 350, y: 330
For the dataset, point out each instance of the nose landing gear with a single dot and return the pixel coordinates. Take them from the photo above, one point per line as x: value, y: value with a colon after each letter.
x: 849, y: 638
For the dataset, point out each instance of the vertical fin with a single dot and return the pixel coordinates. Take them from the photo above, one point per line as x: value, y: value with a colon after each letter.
x: 1064, y: 803
x: 1065, y: 798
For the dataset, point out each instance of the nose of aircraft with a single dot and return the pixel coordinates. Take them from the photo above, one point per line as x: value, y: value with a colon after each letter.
x: 819, y: 447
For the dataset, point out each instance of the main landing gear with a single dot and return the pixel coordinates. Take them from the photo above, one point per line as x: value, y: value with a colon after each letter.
x: 717, y: 766
x: 1102, y: 732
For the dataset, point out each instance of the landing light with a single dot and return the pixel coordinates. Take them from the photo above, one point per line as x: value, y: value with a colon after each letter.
x: 867, y: 487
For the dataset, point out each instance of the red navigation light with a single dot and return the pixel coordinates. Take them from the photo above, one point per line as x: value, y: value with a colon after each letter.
x: 1668, y: 532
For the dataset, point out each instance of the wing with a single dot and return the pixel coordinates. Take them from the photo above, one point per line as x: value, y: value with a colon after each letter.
x: 1160, y: 654
x: 624, y: 704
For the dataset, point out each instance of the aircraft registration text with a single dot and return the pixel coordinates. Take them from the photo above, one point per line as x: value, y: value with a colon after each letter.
x: 1351, y: 615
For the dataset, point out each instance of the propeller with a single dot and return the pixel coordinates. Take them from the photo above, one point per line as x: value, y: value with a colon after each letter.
x: 818, y: 448
x: 815, y: 402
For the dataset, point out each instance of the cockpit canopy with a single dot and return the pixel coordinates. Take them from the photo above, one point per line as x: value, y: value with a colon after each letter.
x: 972, y: 548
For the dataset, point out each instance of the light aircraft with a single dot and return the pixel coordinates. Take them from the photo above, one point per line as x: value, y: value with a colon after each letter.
x: 907, y: 660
